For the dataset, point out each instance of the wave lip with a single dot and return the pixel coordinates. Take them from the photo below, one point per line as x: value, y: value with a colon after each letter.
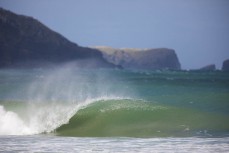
x: 29, y: 118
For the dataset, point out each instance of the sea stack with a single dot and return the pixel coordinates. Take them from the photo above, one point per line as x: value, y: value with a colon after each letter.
x: 225, y: 65
x: 210, y: 67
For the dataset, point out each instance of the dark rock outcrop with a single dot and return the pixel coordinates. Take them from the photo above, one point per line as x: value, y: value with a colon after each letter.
x: 225, y: 66
x: 144, y: 59
x: 210, y: 67
x: 24, y: 41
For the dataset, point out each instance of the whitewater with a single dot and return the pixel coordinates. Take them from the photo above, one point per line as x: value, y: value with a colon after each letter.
x: 113, y: 110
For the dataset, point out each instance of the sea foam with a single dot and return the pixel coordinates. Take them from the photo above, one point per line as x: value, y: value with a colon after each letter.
x: 38, y: 119
x: 12, y: 124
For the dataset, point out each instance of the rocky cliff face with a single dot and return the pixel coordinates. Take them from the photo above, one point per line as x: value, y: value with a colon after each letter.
x: 225, y: 65
x: 27, y: 42
x: 146, y: 59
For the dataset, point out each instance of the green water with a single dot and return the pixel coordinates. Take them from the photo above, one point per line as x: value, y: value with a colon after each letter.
x: 115, y: 103
x: 142, y: 119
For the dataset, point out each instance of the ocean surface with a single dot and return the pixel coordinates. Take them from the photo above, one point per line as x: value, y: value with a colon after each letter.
x: 73, y: 110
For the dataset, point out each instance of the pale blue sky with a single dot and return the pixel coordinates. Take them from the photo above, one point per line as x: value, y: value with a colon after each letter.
x: 197, y: 29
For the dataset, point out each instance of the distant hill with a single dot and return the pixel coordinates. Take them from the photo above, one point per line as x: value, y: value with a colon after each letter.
x: 149, y: 59
x: 24, y: 41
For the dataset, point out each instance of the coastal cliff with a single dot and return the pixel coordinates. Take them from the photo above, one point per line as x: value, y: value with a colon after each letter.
x: 145, y: 59
x: 27, y: 42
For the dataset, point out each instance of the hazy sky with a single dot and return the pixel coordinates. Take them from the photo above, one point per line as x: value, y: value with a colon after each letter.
x: 197, y: 29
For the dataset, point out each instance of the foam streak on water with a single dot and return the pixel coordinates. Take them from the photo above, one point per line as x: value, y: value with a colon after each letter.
x: 70, y: 144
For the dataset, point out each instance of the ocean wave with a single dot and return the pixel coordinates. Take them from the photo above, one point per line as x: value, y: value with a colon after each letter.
x: 138, y: 118
x: 28, y: 118
x: 108, y: 116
